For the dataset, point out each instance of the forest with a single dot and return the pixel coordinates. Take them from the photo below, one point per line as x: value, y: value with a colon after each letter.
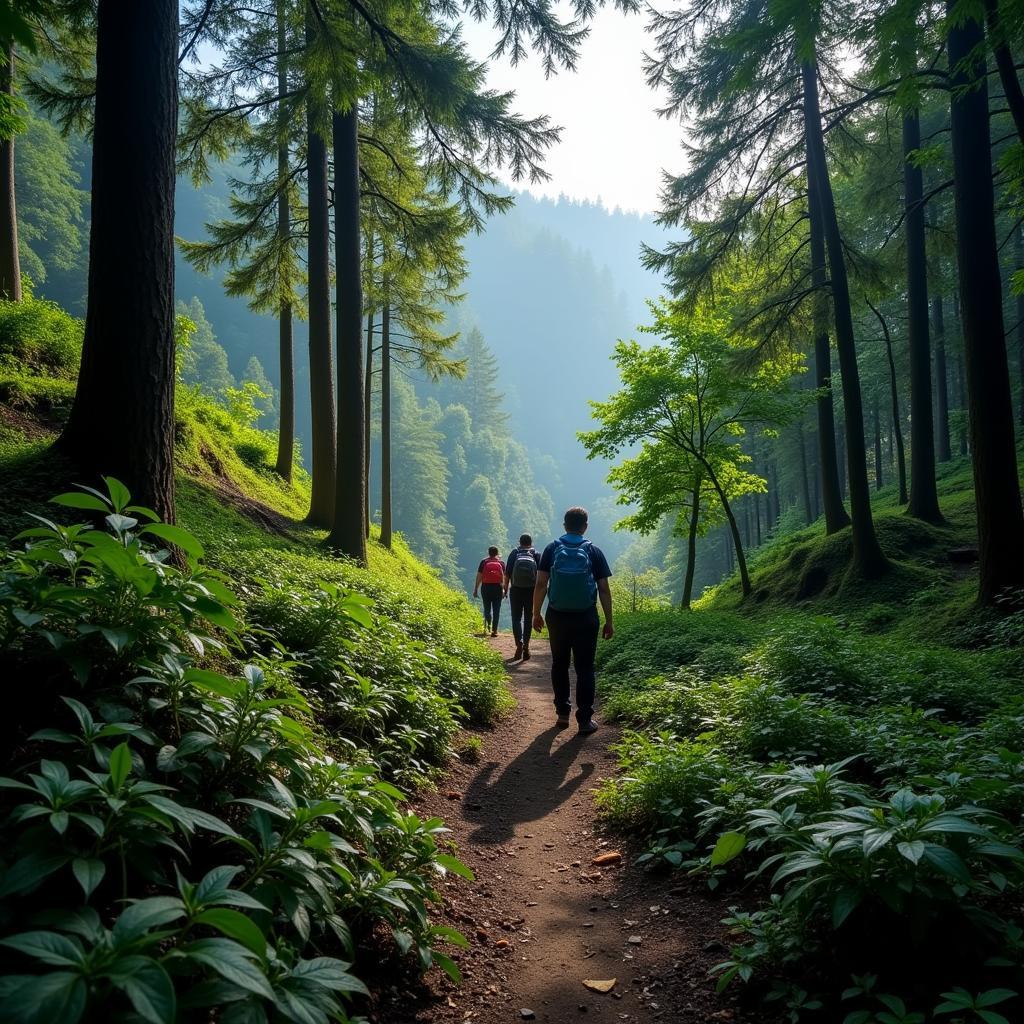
x: 292, y: 333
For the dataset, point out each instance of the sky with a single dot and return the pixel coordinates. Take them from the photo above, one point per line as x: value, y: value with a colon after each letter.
x: 614, y: 146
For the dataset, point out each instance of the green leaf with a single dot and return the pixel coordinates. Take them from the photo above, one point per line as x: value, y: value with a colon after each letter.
x: 43, y: 999
x: 151, y: 992
x: 448, y: 965
x: 729, y: 846
x: 46, y: 947
x: 178, y: 537
x: 454, y: 865
x: 89, y: 873
x: 845, y: 903
x: 215, y: 612
x: 76, y: 499
x: 991, y: 1017
x: 214, y: 682
x: 120, y: 764
x: 145, y: 915
x: 119, y: 494
x: 235, y: 926
x: 28, y: 872
x: 329, y: 973
x: 994, y: 996
x: 948, y: 862
x: 452, y: 935
x: 230, y: 961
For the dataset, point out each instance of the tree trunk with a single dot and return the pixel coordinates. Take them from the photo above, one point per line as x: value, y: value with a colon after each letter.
x: 10, y: 265
x: 286, y: 422
x: 841, y: 449
x: 831, y: 488
x: 868, y: 559
x: 1004, y: 62
x: 941, y: 381
x: 961, y: 384
x: 348, y: 532
x: 897, y: 421
x: 323, y: 454
x: 879, y: 475
x: 1019, y: 247
x: 805, y: 487
x: 924, y: 498
x: 122, y: 419
x: 996, y: 483
x: 386, y: 525
x: 367, y: 411
x: 734, y: 531
x: 691, y: 545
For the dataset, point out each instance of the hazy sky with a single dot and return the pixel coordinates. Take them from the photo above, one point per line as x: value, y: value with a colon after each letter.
x: 614, y: 146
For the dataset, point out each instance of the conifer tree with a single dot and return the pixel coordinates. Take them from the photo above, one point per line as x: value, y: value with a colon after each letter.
x: 994, y: 456
x: 122, y: 419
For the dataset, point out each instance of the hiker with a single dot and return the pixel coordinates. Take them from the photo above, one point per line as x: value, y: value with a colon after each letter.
x: 573, y: 574
x: 520, y: 579
x: 490, y: 579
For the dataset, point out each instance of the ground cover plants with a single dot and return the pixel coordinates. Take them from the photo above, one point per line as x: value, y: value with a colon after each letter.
x: 852, y: 785
x: 199, y: 775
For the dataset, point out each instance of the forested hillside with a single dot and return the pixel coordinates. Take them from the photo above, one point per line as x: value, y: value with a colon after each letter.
x: 287, y: 344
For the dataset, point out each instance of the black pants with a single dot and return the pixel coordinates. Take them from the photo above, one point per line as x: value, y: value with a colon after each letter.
x: 573, y: 638
x: 520, y: 602
x: 491, y: 595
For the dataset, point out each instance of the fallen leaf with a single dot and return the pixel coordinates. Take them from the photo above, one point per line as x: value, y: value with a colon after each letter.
x: 501, y: 944
x: 600, y: 986
x: 613, y: 857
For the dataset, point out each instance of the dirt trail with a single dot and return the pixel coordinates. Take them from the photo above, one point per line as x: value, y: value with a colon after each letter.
x: 540, y: 916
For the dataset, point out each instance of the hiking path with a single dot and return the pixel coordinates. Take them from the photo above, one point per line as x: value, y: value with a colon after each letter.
x: 541, y: 916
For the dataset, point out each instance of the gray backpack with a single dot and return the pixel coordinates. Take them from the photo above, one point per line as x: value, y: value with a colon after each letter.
x: 524, y: 569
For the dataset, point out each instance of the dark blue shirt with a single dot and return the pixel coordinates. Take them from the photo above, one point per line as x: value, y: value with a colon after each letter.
x: 598, y: 563
x: 514, y: 554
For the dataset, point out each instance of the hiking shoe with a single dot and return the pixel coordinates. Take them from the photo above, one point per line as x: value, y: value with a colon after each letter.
x: 494, y: 632
x: 563, y: 721
x: 586, y: 728
x: 519, y: 652
x: 526, y: 653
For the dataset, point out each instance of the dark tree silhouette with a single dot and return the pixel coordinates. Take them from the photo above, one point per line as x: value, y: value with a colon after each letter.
x: 122, y: 419
x: 996, y: 483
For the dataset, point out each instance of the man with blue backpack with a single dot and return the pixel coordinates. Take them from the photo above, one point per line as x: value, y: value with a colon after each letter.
x: 573, y: 575
x: 521, y: 569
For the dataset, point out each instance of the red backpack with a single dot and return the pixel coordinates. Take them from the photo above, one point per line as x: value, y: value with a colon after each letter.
x: 494, y: 571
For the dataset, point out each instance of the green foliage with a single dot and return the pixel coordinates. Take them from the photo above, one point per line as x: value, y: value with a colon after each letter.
x: 167, y: 718
x: 38, y: 338
x: 872, y: 783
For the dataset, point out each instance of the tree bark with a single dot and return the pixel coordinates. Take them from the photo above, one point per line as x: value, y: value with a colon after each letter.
x: 348, y: 531
x: 286, y: 421
x: 941, y: 381
x: 868, y: 559
x: 830, y: 484
x: 691, y: 545
x: 897, y: 420
x: 1004, y: 62
x: 879, y: 475
x: 805, y: 487
x: 386, y: 524
x: 1019, y: 247
x: 10, y: 264
x: 924, y: 498
x: 734, y: 531
x: 367, y: 411
x: 122, y: 420
x: 996, y: 483
x: 323, y: 454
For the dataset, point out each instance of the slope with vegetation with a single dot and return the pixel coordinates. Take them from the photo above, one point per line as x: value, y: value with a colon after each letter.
x: 200, y: 765
x: 845, y: 761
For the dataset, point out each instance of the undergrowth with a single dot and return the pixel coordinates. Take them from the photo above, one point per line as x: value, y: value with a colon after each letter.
x: 851, y: 775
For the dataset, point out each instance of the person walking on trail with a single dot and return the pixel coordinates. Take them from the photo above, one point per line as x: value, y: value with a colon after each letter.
x: 490, y: 585
x: 521, y: 569
x: 573, y: 574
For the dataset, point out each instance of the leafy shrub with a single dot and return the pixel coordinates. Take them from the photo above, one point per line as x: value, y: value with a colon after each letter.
x: 38, y: 337
x: 178, y: 837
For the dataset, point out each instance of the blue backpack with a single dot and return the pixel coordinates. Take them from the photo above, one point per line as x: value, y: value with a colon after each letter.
x: 572, y: 587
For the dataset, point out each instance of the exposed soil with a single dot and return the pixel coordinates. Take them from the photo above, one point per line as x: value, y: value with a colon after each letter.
x: 541, y: 916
